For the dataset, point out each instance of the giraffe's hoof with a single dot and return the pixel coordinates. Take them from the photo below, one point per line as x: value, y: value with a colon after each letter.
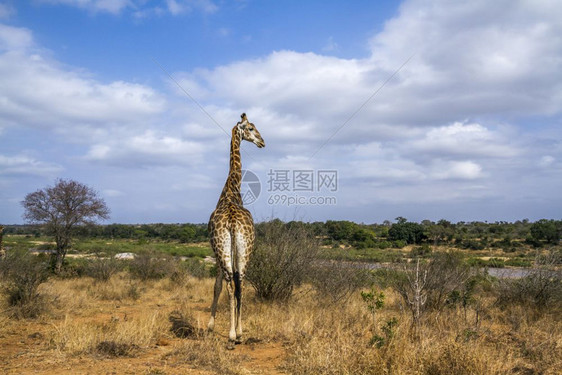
x: 238, y: 340
x: 230, y: 345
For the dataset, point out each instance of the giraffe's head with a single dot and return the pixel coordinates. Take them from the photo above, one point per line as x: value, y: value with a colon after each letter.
x: 249, y: 132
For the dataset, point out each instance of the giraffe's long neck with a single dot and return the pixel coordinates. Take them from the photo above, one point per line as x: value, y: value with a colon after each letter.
x: 231, y: 190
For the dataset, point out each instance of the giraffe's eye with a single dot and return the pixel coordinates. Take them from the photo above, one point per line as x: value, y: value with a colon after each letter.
x: 251, y: 129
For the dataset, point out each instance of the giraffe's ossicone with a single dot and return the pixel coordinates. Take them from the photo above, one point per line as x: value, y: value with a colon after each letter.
x: 231, y: 231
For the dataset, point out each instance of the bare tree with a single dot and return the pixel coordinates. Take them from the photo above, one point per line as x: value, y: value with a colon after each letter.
x: 418, y: 282
x: 62, y: 207
x: 426, y: 285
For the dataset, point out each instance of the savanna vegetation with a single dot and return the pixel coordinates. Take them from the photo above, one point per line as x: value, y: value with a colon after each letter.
x: 498, y: 244
x: 309, y: 310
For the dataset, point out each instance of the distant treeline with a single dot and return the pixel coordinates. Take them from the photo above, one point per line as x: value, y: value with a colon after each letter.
x: 473, y: 235
x: 179, y: 232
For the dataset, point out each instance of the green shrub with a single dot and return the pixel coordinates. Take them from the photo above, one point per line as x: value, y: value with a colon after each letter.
x: 426, y: 284
x: 196, y: 268
x: 191, y: 267
x: 421, y: 251
x: 399, y: 244
x: 388, y: 329
x: 518, y: 262
x: 282, y: 259
x: 150, y: 265
x: 541, y: 289
x: 101, y: 269
x: 23, y: 274
x: 384, y: 245
x: 336, y: 281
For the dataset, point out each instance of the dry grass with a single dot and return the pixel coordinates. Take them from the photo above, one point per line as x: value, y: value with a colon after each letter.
x: 311, y: 334
x: 209, y: 353
x: 76, y: 336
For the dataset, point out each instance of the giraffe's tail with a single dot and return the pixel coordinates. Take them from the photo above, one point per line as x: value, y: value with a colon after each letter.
x: 235, y: 270
x: 237, y: 285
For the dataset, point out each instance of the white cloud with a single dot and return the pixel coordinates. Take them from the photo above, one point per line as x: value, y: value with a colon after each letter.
x: 109, y: 6
x: 140, y: 8
x: 464, y: 170
x: 177, y: 7
x: 452, y: 75
x: 546, y: 161
x: 38, y: 92
x: 195, y: 181
x: 463, y: 139
x: 26, y: 165
x: 514, y: 70
x: 14, y: 38
x: 6, y: 11
x: 285, y: 82
x: 112, y: 193
x: 414, y: 132
x: 330, y: 45
x: 147, y: 149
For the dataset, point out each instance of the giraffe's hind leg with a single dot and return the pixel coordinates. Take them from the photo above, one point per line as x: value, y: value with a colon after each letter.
x: 243, y: 240
x: 231, y: 297
x: 221, y: 244
x: 238, y: 315
x: 216, y: 294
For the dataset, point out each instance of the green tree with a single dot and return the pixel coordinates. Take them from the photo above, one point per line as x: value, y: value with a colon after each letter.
x: 547, y: 230
x: 409, y: 232
x: 341, y: 230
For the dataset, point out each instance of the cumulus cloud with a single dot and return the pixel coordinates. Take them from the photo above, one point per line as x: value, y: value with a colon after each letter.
x: 176, y: 7
x: 6, y: 11
x: 449, y: 127
x: 14, y: 38
x: 26, y: 165
x: 112, y: 120
x: 112, y: 193
x: 140, y: 8
x: 147, y: 149
x: 463, y: 139
x: 109, y: 6
x: 464, y: 170
x: 418, y: 120
x: 546, y: 161
x: 453, y: 75
x: 40, y: 93
x: 513, y: 71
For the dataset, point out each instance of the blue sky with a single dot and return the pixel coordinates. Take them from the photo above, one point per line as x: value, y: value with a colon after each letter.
x: 468, y: 129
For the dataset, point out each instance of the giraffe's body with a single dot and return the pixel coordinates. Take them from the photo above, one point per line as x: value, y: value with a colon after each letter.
x: 231, y: 230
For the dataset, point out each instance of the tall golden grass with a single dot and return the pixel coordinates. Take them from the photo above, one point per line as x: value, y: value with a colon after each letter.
x: 318, y: 335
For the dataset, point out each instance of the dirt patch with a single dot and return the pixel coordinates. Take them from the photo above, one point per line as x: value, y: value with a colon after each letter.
x: 39, y: 346
x: 262, y: 357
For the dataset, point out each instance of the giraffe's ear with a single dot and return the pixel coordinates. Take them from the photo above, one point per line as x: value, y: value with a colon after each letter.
x: 242, y: 124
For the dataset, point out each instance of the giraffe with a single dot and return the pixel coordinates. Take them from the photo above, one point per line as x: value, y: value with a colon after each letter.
x: 231, y: 232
